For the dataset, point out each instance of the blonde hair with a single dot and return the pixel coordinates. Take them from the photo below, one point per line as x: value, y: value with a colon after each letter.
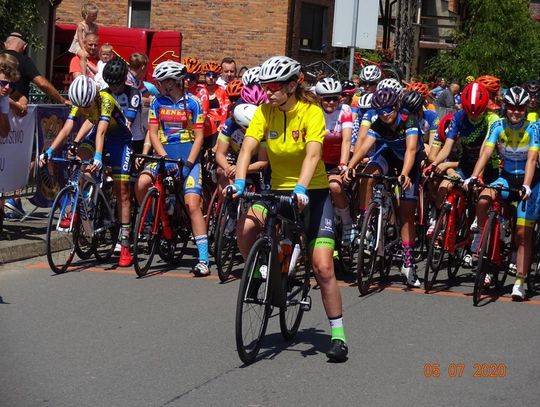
x: 9, y: 66
x: 89, y: 8
x: 106, y: 48
x: 138, y: 60
x: 305, y: 95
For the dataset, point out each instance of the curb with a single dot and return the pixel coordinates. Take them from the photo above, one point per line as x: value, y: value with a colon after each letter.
x: 27, y: 250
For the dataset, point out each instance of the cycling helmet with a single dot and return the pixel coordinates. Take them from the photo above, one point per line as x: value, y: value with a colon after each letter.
x: 390, y: 83
x: 169, y: 70
x: 516, y: 96
x: 348, y: 88
x: 243, y: 113
x: 251, y: 75
x: 444, y: 124
x: 491, y: 83
x: 82, y: 91
x: 193, y: 65
x: 365, y: 101
x: 234, y: 88
x: 385, y: 97
x: 328, y: 87
x: 412, y: 101
x: 420, y: 87
x: 253, y: 94
x: 370, y: 73
x: 469, y: 79
x: 115, y: 72
x: 279, y: 69
x: 532, y: 87
x: 474, y: 99
x: 212, y: 67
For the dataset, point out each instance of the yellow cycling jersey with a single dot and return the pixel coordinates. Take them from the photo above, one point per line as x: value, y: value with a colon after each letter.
x: 287, y: 134
x: 532, y: 117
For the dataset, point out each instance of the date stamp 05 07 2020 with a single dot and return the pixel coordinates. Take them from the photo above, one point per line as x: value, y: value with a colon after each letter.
x: 458, y: 370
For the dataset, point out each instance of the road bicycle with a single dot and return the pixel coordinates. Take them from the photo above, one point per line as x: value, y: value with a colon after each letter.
x: 162, y: 225
x: 451, y: 236
x: 276, y: 274
x: 341, y: 66
x: 81, y: 220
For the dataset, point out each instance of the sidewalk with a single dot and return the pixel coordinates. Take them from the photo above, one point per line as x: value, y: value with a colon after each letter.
x: 24, y: 240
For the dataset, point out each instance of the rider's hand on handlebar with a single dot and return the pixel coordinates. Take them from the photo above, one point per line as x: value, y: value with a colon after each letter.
x: 343, y: 168
x: 302, y: 198
x: 471, y: 181
x: 405, y: 181
x: 45, y: 156
x: 525, y: 192
x: 97, y: 162
x: 237, y: 189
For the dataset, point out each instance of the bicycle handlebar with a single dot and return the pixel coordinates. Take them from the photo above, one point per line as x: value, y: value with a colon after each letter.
x: 72, y: 160
x: 162, y: 159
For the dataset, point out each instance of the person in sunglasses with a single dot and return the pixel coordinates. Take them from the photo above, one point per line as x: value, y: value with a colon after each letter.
x: 293, y: 126
x: 8, y: 76
x: 336, y: 149
x: 399, y: 149
x: 219, y: 103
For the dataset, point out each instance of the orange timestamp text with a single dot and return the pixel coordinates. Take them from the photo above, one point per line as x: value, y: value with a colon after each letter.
x: 458, y: 370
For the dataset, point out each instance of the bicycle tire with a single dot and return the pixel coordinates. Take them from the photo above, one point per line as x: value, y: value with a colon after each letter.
x: 226, y: 243
x: 295, y: 287
x: 105, y: 240
x: 211, y: 222
x: 483, y: 259
x: 84, y: 247
x: 422, y: 242
x: 146, y: 241
x: 368, y: 261
x: 436, y: 250
x: 60, y: 244
x: 533, y: 278
x: 253, y: 284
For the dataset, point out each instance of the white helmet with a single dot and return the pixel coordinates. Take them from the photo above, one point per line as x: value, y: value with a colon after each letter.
x: 365, y: 101
x: 370, y: 73
x: 327, y: 87
x: 82, y: 91
x: 279, y: 69
x: 169, y: 70
x: 251, y: 76
x: 243, y: 113
x: 390, y: 83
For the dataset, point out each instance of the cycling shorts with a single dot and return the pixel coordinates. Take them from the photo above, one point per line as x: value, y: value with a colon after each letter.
x: 388, y: 162
x: 193, y: 183
x: 119, y: 155
x: 318, y: 217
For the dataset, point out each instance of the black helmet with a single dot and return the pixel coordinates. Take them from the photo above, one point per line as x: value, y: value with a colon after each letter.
x: 348, y: 87
x: 516, y: 96
x: 532, y: 87
x: 412, y: 101
x: 385, y: 97
x: 115, y: 72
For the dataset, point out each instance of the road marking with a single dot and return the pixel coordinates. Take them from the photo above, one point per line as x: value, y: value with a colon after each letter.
x: 131, y: 271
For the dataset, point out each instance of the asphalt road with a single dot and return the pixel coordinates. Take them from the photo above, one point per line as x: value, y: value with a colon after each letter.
x: 101, y: 337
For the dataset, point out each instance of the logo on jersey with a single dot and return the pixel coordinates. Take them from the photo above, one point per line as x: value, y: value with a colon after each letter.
x: 135, y: 101
x: 272, y: 135
x: 295, y: 135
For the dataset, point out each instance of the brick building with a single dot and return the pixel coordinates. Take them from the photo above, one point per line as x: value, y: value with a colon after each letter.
x: 248, y: 30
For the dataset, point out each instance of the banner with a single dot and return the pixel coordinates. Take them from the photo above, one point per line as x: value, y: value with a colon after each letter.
x: 16, y: 151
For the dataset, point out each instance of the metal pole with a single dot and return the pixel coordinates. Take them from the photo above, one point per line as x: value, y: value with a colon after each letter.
x: 353, y: 38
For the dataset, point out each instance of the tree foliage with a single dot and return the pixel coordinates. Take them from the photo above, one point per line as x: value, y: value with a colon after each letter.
x: 21, y: 15
x: 498, y: 38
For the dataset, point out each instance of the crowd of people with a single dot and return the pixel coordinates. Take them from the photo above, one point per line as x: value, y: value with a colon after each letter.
x: 271, y: 121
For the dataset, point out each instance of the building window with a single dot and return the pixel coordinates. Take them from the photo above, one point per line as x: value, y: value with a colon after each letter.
x: 313, y: 27
x: 139, y: 13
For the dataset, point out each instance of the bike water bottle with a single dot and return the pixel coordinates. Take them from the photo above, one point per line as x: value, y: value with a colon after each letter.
x: 284, y: 254
x: 294, y: 258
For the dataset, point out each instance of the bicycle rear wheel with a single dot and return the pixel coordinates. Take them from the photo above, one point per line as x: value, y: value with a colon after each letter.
x: 295, y: 287
x: 253, y: 302
x: 436, y: 250
x: 62, y: 231
x: 368, y: 259
x: 105, y: 230
x: 226, y: 242
x: 484, y: 259
x: 147, y: 233
x: 211, y: 222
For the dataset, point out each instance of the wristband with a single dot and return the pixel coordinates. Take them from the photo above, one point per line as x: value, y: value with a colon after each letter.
x: 49, y: 153
x: 188, y: 164
x: 98, y: 156
x: 342, y: 164
x: 300, y: 189
x: 240, y: 184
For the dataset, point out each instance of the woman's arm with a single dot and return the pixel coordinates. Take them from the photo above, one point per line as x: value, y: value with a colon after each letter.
x: 197, y: 145
x: 345, y: 145
x: 313, y: 155
x: 249, y: 147
x: 154, y: 139
x: 530, y: 167
x: 261, y: 163
x: 363, y: 144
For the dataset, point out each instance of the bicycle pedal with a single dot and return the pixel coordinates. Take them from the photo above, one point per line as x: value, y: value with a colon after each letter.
x: 305, y: 305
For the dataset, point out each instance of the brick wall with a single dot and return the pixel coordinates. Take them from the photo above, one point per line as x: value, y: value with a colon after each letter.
x: 248, y: 30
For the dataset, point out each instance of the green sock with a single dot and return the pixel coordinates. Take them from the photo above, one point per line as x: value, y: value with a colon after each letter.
x: 336, y: 328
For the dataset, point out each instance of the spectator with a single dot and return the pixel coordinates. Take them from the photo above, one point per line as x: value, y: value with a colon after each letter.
x: 91, y: 42
x: 438, y: 90
x: 105, y: 55
x: 228, y: 72
x: 16, y: 45
x: 89, y: 12
x: 445, y: 103
x: 8, y: 75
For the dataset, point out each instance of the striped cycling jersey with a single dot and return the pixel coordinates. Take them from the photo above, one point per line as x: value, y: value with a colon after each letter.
x: 339, y: 119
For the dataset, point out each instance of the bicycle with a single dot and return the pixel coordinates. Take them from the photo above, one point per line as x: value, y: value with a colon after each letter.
x: 533, y: 277
x: 81, y: 221
x: 341, y: 66
x: 380, y: 234
x: 496, y: 243
x: 452, y: 233
x: 273, y: 278
x: 162, y: 223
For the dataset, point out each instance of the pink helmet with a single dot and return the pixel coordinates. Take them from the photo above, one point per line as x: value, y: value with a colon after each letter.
x: 253, y: 94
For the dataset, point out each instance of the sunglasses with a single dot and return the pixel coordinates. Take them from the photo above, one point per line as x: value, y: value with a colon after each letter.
x: 385, y: 111
x: 211, y: 74
x: 191, y: 77
x: 330, y: 99
x: 5, y: 84
x: 513, y: 108
x: 371, y: 83
x: 273, y: 86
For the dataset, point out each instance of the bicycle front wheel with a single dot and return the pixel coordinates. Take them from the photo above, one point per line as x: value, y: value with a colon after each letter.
x: 368, y: 259
x: 253, y: 303
x: 484, y: 259
x: 62, y: 231
x: 105, y: 230
x: 436, y: 250
x: 295, y: 286
x: 147, y: 233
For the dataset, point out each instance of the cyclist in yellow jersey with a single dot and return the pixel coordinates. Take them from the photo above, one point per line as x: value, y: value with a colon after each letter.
x: 105, y: 129
x: 293, y: 125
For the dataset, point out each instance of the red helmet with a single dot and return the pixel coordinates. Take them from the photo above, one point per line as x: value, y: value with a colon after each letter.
x: 491, y: 83
x: 419, y: 87
x: 234, y: 88
x: 474, y: 99
x: 444, y: 124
